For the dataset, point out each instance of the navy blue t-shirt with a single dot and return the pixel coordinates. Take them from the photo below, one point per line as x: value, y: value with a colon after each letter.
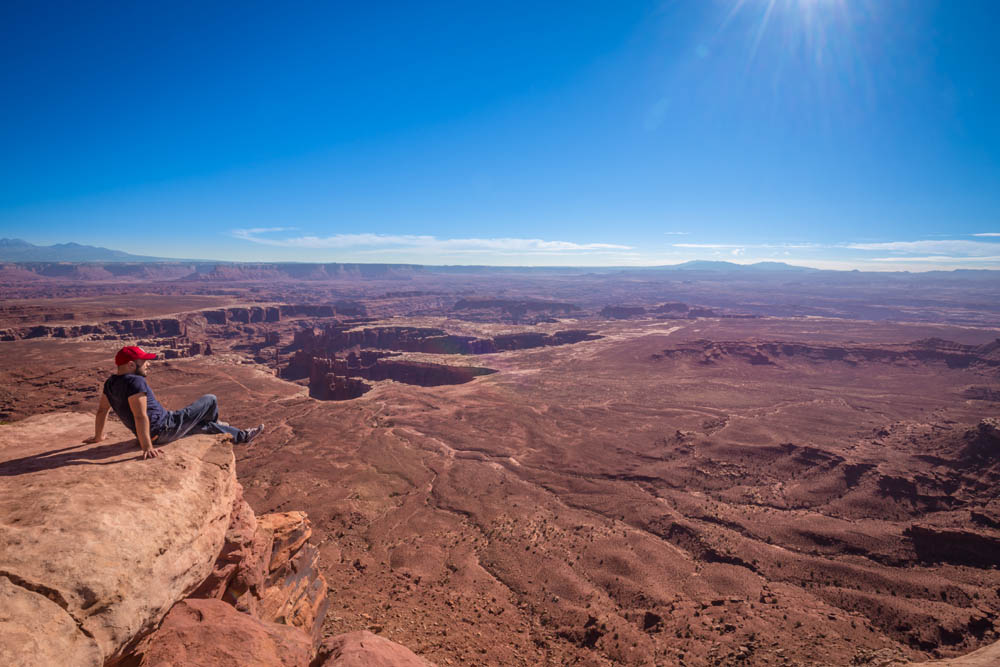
x: 118, y: 388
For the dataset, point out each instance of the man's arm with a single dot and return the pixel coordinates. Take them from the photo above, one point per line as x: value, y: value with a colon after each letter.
x: 138, y: 404
x: 99, y: 419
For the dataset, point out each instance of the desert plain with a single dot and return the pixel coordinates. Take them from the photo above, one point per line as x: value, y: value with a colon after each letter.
x: 718, y: 466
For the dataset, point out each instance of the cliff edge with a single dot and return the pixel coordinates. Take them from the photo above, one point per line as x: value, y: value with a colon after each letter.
x: 106, y: 559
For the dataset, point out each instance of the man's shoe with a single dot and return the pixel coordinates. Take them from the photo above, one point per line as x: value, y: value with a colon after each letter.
x: 252, y: 433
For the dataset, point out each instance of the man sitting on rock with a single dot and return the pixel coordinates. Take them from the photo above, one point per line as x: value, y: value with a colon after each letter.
x: 129, y: 395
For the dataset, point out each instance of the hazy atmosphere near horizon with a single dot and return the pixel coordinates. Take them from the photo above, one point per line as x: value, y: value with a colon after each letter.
x: 826, y: 133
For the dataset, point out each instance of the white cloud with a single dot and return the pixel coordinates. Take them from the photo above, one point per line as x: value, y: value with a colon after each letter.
x: 284, y: 244
x: 374, y: 243
x: 746, y: 245
x: 943, y: 247
x: 706, y: 245
x: 263, y: 230
x: 944, y: 259
x: 988, y: 234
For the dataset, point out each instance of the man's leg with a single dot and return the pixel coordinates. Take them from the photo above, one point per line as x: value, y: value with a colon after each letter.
x: 194, y: 418
x: 202, y: 416
x: 213, y: 425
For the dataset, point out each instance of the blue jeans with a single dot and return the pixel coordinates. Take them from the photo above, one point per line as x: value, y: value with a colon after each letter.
x: 202, y: 416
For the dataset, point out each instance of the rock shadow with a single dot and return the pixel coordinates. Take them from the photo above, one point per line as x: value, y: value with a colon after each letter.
x: 69, y: 456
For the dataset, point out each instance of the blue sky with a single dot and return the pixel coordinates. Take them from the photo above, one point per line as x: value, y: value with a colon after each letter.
x: 829, y: 133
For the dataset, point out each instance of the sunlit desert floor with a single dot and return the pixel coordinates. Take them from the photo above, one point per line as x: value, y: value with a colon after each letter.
x: 631, y: 499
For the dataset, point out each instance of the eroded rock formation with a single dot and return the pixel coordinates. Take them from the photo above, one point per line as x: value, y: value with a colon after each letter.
x: 336, y: 338
x: 953, y: 355
x: 364, y: 649
x: 178, y: 326
x: 106, y: 559
x: 114, y: 545
x: 211, y: 633
x: 337, y: 379
x: 157, y: 328
x: 361, y: 356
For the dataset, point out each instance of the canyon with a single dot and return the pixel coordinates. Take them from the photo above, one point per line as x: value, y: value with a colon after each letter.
x: 676, y: 468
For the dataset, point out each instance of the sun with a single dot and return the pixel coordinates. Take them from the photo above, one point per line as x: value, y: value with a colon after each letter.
x: 813, y: 28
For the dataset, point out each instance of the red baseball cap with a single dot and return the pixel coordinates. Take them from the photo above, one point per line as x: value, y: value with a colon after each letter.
x: 131, y: 353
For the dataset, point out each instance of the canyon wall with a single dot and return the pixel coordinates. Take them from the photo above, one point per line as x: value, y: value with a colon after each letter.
x: 340, y: 379
x: 157, y: 328
x: 932, y: 350
x: 335, y: 338
x: 333, y: 377
x: 177, y: 326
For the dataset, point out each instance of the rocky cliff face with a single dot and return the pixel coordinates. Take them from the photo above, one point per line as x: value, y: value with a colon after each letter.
x: 106, y: 559
x: 158, y: 328
x: 953, y: 355
x: 333, y: 379
x: 337, y: 359
x: 164, y: 327
x: 253, y: 314
x: 106, y: 544
x: 335, y: 338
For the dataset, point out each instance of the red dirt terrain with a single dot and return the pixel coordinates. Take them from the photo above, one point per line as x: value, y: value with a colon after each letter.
x: 525, y: 480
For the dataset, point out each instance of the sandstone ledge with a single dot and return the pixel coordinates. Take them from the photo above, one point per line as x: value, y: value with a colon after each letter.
x: 97, y: 546
x: 112, y: 540
x: 211, y: 633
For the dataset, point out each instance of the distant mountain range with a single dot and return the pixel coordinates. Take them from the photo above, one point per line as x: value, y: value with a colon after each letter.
x: 705, y: 265
x: 50, y: 257
x: 17, y: 250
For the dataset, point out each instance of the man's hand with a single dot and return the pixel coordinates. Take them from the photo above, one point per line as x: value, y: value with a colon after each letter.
x: 149, y: 453
x: 93, y: 439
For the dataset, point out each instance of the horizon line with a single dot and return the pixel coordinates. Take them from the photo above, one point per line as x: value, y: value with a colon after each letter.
x: 565, y: 267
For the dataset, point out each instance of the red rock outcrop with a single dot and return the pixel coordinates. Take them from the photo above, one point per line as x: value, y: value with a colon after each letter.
x: 112, y: 540
x: 531, y: 339
x: 34, y: 627
x: 159, y: 328
x: 951, y: 354
x: 267, y: 569
x: 97, y: 547
x: 420, y: 373
x: 334, y: 379
x: 326, y: 385
x: 337, y: 338
x: 211, y: 633
x: 181, y: 349
x: 364, y: 649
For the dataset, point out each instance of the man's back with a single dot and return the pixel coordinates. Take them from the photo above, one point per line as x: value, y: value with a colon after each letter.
x: 119, y: 387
